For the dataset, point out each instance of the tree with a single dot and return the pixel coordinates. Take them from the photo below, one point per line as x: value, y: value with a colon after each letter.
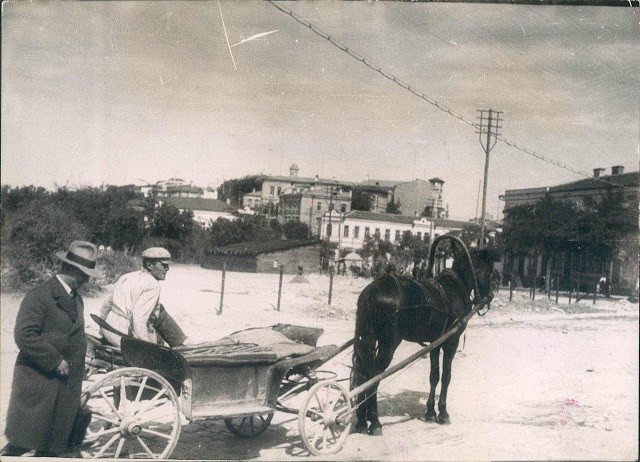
x: 170, y: 223
x: 295, y: 230
x: 234, y: 189
x: 361, y: 200
x: 34, y: 234
x: 394, y: 207
x: 126, y: 228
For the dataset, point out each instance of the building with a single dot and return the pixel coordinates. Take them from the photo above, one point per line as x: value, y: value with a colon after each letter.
x: 415, y: 195
x: 266, y: 257
x: 309, y: 205
x: 380, y: 196
x: 576, y: 191
x: 577, y: 265
x: 350, y: 230
x: 205, y: 211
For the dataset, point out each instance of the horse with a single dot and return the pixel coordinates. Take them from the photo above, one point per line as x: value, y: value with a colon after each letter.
x: 394, y: 308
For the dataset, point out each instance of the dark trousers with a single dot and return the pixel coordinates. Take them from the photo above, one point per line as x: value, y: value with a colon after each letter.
x: 167, y: 327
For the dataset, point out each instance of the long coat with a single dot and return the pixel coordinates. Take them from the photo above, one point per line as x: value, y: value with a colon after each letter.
x: 42, y: 407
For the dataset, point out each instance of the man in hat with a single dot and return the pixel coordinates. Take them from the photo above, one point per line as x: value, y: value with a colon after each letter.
x: 47, y: 378
x: 134, y: 309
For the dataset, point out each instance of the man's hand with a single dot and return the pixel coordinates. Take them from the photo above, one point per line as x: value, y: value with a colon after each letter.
x: 62, y: 370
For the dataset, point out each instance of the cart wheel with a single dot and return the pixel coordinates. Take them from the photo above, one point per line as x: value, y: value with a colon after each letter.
x: 325, y: 419
x: 249, y: 426
x: 135, y: 413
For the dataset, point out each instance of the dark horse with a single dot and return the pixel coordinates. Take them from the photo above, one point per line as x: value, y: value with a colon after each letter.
x: 395, y: 308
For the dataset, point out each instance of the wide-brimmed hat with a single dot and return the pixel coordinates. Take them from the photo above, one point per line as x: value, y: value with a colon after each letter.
x: 157, y: 253
x: 82, y: 255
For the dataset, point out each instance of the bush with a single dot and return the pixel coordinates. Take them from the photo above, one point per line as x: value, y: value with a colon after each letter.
x: 33, y: 235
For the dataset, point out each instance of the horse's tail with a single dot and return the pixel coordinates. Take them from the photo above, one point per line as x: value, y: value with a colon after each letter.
x: 364, y: 342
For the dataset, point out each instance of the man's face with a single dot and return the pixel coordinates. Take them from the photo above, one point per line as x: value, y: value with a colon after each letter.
x: 158, y: 269
x: 79, y: 277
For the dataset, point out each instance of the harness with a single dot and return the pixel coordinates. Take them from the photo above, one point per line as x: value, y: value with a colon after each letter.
x: 433, y: 294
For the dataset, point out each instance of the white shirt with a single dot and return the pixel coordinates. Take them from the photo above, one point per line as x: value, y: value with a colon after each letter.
x: 134, y: 297
x: 65, y: 285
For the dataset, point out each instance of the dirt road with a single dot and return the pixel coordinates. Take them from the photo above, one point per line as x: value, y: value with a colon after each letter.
x: 534, y: 381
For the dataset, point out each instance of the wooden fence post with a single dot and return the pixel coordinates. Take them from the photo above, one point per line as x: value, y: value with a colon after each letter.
x: 280, y: 287
x: 330, y: 285
x: 511, y: 286
x: 595, y: 290
x: 224, y: 273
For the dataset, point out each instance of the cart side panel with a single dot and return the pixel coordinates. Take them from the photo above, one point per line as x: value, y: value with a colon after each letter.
x: 220, y: 391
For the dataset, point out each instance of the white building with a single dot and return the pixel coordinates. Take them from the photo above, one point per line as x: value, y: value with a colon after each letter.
x: 205, y: 211
x: 350, y: 230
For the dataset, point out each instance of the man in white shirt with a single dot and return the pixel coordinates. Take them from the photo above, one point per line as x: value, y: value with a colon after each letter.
x: 134, y: 306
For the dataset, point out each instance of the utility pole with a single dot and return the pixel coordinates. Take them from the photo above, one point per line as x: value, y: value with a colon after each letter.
x: 488, y: 125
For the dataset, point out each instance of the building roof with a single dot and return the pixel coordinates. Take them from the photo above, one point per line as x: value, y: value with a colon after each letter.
x: 381, y: 217
x: 184, y: 188
x: 199, y: 204
x: 383, y: 183
x: 301, y: 179
x: 630, y: 179
x: 257, y: 248
x: 405, y: 219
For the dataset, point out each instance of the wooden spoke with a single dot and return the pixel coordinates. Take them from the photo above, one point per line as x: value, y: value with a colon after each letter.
x: 106, y: 446
x: 116, y: 455
x: 141, y: 389
x: 153, y: 432
x: 110, y: 403
x: 146, y: 448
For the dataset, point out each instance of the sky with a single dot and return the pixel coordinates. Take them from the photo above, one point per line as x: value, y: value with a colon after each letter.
x: 133, y: 92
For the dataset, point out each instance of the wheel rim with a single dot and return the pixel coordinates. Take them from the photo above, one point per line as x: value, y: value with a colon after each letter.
x: 249, y: 426
x: 135, y: 414
x: 325, y: 419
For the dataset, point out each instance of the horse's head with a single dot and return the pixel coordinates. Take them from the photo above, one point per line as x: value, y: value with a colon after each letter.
x: 483, y: 261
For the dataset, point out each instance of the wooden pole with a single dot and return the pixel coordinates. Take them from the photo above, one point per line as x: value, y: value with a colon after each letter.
x: 570, y: 275
x: 224, y: 273
x: 557, y: 278
x: 511, y: 287
x: 330, y: 285
x: 280, y: 287
x: 595, y: 290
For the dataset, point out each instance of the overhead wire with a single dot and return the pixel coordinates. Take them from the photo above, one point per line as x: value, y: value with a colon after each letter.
x: 393, y: 78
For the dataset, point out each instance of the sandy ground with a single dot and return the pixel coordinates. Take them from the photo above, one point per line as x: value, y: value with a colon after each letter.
x: 535, y: 380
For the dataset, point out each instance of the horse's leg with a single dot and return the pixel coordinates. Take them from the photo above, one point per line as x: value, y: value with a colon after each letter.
x: 386, y: 347
x: 434, y: 378
x: 449, y: 351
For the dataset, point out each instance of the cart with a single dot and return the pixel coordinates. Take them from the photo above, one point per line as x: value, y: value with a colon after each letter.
x: 136, y: 398
x: 137, y: 410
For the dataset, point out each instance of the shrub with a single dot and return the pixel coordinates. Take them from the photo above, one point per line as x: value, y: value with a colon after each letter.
x: 33, y: 235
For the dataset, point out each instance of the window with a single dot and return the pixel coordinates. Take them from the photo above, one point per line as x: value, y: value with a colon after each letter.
x: 367, y: 232
x: 387, y: 235
x: 377, y: 233
x: 319, y: 205
x: 279, y: 189
x: 419, y: 234
x: 343, y: 208
x: 329, y: 229
x: 272, y: 190
x: 397, y: 235
x: 346, y: 231
x: 356, y: 231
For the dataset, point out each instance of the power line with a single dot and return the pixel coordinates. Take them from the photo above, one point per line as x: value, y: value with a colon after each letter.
x: 388, y: 75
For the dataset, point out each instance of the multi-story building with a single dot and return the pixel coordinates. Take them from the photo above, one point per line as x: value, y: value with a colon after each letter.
x: 576, y: 191
x: 350, y: 230
x: 415, y: 195
x: 309, y: 205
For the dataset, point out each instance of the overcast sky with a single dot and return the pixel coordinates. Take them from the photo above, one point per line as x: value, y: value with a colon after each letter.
x: 115, y: 92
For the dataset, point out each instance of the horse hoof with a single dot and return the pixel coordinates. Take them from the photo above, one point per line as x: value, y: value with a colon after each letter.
x: 375, y: 430
x: 360, y: 428
x: 444, y: 420
x: 430, y: 417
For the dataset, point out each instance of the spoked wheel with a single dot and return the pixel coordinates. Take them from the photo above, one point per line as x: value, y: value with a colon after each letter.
x: 325, y: 419
x: 249, y: 426
x: 135, y: 414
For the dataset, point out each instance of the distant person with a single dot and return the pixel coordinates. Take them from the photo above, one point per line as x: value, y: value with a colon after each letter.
x: 134, y: 306
x: 47, y: 378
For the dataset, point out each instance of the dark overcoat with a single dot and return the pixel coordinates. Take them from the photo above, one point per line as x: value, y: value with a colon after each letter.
x: 42, y: 407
